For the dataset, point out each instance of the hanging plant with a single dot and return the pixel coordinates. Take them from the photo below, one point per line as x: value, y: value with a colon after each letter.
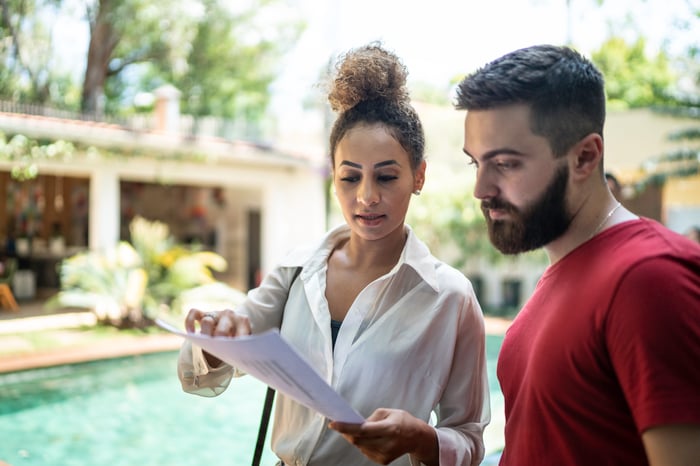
x: 24, y: 153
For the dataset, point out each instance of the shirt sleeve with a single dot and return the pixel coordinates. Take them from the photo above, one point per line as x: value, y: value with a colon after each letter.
x: 653, y: 335
x: 197, y: 376
x: 464, y: 409
x: 263, y: 307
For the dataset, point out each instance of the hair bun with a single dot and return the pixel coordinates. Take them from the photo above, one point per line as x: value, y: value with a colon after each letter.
x: 367, y: 73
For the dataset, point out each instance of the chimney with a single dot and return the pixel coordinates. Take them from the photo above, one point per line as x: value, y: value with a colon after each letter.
x: 167, y: 109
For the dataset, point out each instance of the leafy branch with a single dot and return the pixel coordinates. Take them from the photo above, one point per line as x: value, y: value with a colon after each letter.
x: 24, y: 153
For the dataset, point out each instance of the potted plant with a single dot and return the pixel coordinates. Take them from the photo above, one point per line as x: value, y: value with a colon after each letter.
x: 130, y: 285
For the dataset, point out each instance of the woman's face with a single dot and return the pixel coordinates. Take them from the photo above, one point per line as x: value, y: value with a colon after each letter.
x: 373, y: 181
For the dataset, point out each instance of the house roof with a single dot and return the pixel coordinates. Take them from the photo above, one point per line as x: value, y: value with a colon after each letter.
x: 147, y: 142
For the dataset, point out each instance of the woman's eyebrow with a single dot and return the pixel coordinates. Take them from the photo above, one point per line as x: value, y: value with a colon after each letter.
x: 376, y: 165
x: 385, y: 163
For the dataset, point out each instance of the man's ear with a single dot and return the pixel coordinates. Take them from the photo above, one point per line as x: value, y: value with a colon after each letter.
x: 586, y: 155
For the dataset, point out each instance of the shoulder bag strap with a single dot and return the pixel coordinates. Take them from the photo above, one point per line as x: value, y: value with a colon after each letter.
x: 269, y: 398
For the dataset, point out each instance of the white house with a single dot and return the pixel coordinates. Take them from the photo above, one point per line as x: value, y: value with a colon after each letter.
x: 249, y: 202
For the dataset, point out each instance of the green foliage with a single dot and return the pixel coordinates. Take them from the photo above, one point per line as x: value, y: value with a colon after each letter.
x: 675, y: 164
x: 24, y: 153
x: 634, y: 80
x: 684, y: 103
x: 222, y: 58
x: 631, y: 79
x: 130, y: 284
x: 685, y: 134
x: 453, y: 226
x: 29, y: 72
x: 223, y: 55
x: 232, y: 61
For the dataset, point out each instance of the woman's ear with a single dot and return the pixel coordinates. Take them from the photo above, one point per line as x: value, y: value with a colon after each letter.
x: 587, y: 156
x: 419, y: 177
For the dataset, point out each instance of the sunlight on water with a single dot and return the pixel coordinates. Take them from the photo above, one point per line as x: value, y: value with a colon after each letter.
x: 124, y: 412
x: 131, y: 411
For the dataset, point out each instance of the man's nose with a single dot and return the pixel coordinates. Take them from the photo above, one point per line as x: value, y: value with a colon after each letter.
x: 484, y: 187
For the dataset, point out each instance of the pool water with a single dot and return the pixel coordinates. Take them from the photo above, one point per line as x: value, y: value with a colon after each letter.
x: 132, y: 411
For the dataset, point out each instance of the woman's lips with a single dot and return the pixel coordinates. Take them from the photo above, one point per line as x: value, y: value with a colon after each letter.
x: 369, y: 219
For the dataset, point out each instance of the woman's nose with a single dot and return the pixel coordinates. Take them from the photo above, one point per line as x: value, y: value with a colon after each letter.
x: 367, y: 194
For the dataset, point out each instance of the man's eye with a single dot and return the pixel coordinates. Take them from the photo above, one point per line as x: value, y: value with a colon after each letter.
x: 506, y: 165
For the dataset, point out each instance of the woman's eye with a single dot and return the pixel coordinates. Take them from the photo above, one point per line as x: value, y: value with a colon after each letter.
x: 350, y: 178
x: 386, y: 178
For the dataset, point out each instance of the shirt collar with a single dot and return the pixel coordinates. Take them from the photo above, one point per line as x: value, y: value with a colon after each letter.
x: 415, y: 255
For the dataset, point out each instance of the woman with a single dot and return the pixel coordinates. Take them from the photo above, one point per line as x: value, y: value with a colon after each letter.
x: 394, y: 331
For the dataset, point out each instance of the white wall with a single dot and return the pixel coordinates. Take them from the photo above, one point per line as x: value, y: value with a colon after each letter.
x: 289, y: 196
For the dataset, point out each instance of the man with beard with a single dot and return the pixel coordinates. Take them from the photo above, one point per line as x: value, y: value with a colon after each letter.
x: 600, y: 367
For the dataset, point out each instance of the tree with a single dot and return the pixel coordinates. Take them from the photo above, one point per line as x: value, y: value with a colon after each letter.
x: 681, y: 162
x: 221, y: 55
x: 220, y: 58
x: 682, y: 100
x: 28, y: 71
x: 232, y: 62
x: 119, y: 43
x: 631, y: 79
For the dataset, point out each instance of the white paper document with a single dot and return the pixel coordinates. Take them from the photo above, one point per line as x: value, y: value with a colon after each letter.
x: 270, y: 359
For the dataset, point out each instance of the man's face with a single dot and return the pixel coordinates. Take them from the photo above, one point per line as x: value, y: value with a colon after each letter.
x: 534, y: 225
x: 521, y: 185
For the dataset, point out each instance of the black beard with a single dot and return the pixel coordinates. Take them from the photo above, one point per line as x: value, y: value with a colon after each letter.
x: 534, y: 226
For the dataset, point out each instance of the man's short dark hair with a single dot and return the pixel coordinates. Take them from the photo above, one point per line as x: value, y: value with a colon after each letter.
x: 565, y: 92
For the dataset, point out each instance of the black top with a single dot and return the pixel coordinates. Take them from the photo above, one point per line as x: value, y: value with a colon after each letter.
x: 335, y: 328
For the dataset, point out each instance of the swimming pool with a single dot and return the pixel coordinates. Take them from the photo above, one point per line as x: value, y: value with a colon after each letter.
x: 132, y: 411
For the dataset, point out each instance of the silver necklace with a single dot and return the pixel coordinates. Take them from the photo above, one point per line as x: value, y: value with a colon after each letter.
x: 607, y: 217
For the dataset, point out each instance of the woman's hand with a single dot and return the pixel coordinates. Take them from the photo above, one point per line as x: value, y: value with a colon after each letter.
x: 224, y: 323
x: 390, y: 433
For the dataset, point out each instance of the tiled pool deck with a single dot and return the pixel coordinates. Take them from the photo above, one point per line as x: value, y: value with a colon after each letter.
x: 16, y: 328
x: 32, y: 316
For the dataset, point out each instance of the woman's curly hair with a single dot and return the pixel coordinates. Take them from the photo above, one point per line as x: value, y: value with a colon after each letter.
x: 369, y: 86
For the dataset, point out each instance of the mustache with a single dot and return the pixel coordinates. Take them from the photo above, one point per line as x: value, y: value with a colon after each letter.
x: 498, y: 204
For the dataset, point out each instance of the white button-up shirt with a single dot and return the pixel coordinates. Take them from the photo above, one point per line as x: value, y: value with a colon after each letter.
x: 412, y: 340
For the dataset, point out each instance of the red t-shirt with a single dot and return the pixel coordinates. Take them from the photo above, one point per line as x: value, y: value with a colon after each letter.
x: 607, y: 347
